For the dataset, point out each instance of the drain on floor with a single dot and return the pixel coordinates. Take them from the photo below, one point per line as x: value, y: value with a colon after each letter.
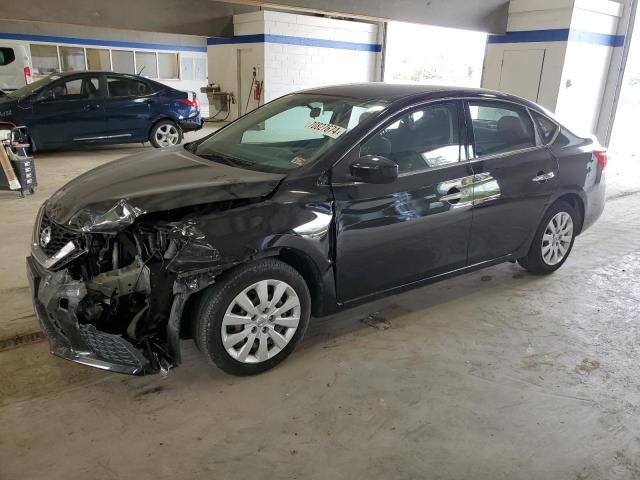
x: 20, y: 340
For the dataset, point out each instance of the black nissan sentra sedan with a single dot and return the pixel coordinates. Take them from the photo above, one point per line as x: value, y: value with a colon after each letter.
x: 315, y: 202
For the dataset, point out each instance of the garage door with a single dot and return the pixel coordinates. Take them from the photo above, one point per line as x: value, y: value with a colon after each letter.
x: 521, y: 72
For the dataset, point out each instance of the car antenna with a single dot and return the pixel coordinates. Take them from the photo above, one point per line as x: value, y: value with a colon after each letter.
x: 141, y: 70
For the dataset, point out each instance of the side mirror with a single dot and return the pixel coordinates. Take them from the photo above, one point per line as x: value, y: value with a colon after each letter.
x: 374, y: 169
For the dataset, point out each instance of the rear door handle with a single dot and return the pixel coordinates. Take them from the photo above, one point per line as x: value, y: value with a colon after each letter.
x: 543, y: 177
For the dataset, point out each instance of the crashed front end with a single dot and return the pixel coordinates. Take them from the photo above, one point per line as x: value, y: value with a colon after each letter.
x: 106, y: 288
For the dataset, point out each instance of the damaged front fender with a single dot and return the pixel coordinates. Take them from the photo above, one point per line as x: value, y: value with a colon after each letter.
x: 189, y: 245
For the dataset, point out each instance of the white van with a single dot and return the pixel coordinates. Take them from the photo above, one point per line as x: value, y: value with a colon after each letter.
x: 15, y: 67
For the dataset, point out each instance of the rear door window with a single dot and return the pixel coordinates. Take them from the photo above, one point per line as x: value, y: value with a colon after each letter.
x: 7, y: 56
x: 127, y: 87
x: 500, y: 128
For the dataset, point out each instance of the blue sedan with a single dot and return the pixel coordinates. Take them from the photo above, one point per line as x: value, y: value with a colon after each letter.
x: 101, y: 108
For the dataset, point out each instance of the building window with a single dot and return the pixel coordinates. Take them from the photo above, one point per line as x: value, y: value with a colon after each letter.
x: 123, y: 61
x: 98, y: 59
x: 44, y: 59
x: 200, y: 67
x: 168, y: 65
x: 193, y: 68
x: 186, y: 68
x: 72, y: 59
x: 147, y: 64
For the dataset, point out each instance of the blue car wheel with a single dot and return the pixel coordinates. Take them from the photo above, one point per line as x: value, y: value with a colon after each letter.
x: 165, y: 134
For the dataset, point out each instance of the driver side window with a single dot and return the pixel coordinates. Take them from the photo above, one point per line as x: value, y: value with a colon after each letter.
x: 75, y: 89
x: 422, y: 139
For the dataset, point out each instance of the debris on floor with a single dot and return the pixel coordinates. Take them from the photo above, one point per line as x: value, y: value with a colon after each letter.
x: 19, y: 340
x: 587, y: 366
x: 376, y: 320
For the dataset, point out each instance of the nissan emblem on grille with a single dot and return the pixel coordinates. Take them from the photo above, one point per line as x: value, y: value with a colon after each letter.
x: 45, y: 237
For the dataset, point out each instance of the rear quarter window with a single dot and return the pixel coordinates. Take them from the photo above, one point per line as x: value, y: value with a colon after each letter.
x: 547, y: 127
x: 7, y: 56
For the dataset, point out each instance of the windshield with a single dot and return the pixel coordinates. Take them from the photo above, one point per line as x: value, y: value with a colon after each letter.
x: 33, y: 87
x: 287, y: 133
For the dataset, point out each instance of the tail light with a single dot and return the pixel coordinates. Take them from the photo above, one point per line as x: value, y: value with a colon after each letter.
x: 27, y: 75
x: 602, y: 156
x: 192, y: 103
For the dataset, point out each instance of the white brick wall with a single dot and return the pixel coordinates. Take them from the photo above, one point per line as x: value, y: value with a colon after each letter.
x: 286, y: 68
x: 294, y: 67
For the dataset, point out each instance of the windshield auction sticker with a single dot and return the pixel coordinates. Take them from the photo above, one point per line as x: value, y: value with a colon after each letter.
x: 328, y: 129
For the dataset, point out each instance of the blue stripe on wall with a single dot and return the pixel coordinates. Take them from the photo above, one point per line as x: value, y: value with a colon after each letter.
x: 558, y: 35
x: 99, y: 43
x: 596, y: 38
x: 288, y: 40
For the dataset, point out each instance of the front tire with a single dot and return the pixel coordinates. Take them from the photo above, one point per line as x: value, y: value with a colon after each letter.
x: 253, y: 318
x: 553, y: 240
x: 165, y: 133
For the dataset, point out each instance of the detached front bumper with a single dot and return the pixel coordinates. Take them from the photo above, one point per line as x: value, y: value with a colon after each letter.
x: 55, y: 296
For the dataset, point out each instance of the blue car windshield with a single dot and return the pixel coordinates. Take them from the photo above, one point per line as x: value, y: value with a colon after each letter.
x: 287, y: 133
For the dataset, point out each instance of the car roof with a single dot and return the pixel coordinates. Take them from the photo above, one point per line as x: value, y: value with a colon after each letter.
x: 393, y: 92
x: 100, y: 72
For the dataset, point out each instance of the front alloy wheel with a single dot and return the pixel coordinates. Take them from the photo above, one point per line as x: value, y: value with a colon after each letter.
x: 261, y: 321
x: 253, y: 317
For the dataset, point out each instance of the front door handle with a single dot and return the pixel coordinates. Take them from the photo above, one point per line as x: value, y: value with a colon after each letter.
x: 94, y: 106
x: 543, y: 177
x: 453, y: 196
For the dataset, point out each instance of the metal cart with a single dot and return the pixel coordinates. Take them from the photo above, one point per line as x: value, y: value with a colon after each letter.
x: 18, y: 171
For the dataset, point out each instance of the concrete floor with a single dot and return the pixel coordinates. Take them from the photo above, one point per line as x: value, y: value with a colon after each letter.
x: 494, y: 375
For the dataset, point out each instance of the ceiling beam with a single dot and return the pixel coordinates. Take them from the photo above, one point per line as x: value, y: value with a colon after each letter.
x: 485, y: 15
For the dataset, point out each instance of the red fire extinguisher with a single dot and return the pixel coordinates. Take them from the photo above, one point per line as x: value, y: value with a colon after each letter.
x: 257, y: 91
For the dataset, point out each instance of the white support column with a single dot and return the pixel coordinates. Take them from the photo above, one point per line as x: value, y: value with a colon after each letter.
x: 558, y: 53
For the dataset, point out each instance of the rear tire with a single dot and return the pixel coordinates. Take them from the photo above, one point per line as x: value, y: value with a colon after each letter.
x: 553, y: 240
x: 165, y: 134
x: 253, y: 318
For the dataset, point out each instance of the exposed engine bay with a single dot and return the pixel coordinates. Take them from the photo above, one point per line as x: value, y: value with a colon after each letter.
x: 130, y: 285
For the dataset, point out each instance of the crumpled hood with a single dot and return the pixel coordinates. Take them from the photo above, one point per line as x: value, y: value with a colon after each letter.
x: 110, y: 197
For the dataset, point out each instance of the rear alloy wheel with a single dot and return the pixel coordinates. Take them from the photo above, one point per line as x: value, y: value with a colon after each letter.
x: 165, y: 134
x: 553, y: 240
x: 557, y: 239
x: 254, y: 318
